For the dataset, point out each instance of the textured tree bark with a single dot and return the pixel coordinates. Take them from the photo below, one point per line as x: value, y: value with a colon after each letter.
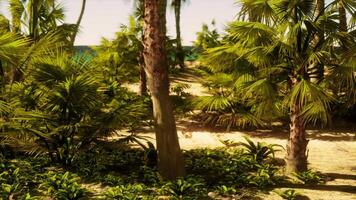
x: 170, y: 158
x: 72, y: 39
x: 34, y: 29
x: 180, y: 52
x: 143, y: 76
x: 342, y: 17
x: 143, y: 81
x: 296, y: 158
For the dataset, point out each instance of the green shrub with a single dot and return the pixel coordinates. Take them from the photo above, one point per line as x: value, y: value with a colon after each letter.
x: 309, y: 177
x: 63, y: 186
x: 224, y: 190
x: 260, y: 151
x: 265, y: 176
x: 112, y: 180
x: 219, y: 166
x: 10, y: 183
x: 126, y: 192
x: 188, y: 188
x: 289, y: 194
x: 65, y: 105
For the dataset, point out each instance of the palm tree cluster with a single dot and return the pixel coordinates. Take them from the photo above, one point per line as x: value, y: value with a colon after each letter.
x: 54, y: 101
x: 282, y: 58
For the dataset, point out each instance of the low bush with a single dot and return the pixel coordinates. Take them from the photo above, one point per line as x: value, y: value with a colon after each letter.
x: 127, y: 192
x: 310, y: 177
x: 63, y: 186
x: 192, y: 187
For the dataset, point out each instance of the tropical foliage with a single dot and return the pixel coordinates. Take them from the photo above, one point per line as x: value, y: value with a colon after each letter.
x: 271, y: 65
x: 70, y: 121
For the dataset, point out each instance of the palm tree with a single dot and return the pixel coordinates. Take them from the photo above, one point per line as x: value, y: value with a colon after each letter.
x: 273, y: 56
x: 206, y: 38
x: 122, y: 57
x: 78, y: 22
x: 35, y: 17
x: 170, y: 158
x: 61, y: 109
x: 177, y: 6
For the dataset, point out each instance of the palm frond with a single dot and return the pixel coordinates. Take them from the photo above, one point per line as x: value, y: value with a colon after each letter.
x: 12, y: 47
x: 313, y: 99
x: 212, y: 103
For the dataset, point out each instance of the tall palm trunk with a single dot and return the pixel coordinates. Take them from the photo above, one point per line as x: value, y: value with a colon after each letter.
x: 170, y: 158
x: 72, y: 40
x: 34, y: 18
x: 342, y: 21
x: 180, y: 52
x: 342, y: 17
x: 296, y: 158
x: 143, y: 78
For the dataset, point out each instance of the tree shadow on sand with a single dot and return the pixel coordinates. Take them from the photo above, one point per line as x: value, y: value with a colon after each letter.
x: 334, y: 176
x: 275, y: 132
x: 324, y: 135
x: 338, y: 188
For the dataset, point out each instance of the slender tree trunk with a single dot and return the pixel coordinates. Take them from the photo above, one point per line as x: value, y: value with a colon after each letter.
x: 72, y: 39
x: 180, y: 52
x: 143, y: 81
x: 143, y: 76
x: 170, y: 158
x: 342, y: 17
x: 296, y: 158
x: 34, y: 33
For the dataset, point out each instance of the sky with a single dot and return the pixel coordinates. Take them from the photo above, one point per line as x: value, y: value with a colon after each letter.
x: 104, y: 17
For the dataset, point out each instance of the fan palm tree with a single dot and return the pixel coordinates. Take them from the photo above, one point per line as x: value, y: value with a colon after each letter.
x: 40, y: 16
x: 273, y: 55
x: 206, y: 38
x: 344, y: 8
x: 170, y: 158
x: 121, y: 57
x: 63, y: 107
x: 177, y: 6
x: 35, y: 19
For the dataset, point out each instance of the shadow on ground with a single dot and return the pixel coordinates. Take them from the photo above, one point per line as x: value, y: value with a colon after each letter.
x: 338, y: 188
x: 275, y: 132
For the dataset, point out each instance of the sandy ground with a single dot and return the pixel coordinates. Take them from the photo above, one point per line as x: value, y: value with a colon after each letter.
x: 330, y: 152
x: 333, y: 154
